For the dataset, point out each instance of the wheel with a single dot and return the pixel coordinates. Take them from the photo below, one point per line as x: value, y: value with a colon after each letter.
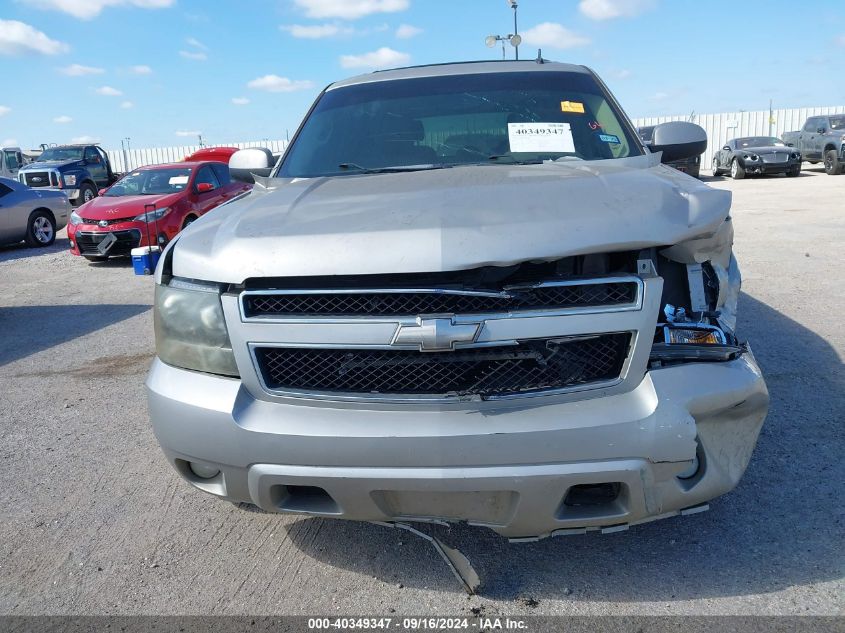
x: 737, y: 170
x: 832, y: 164
x: 716, y: 170
x: 188, y: 221
x: 41, y: 230
x: 96, y: 258
x: 86, y: 193
x: 794, y: 172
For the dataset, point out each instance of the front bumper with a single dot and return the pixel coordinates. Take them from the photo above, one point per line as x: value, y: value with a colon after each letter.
x: 509, y: 470
x: 771, y: 168
x: 84, y: 238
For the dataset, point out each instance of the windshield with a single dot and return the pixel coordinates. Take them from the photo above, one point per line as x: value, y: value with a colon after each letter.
x: 837, y: 123
x: 148, y: 182
x: 759, y: 141
x: 432, y: 122
x: 62, y: 153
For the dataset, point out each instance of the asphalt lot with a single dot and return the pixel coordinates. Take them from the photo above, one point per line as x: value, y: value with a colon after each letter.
x: 93, y: 520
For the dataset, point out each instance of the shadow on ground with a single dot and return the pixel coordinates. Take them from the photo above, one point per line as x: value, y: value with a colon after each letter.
x: 782, y: 526
x: 27, y: 330
x: 11, y: 252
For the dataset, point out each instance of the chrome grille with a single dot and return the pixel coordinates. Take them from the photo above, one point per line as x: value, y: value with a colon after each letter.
x: 369, y: 303
x: 37, y: 179
x: 530, y: 365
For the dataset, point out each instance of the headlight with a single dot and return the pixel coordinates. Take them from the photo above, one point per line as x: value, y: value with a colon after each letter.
x: 751, y: 157
x: 149, y: 216
x: 74, y: 218
x: 190, y: 329
x: 70, y: 181
x: 795, y: 156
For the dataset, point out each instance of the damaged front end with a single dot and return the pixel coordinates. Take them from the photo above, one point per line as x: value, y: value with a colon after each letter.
x: 701, y: 291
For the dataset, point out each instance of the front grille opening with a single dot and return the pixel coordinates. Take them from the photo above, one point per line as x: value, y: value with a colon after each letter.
x: 532, y: 365
x: 445, y: 301
x: 310, y: 499
x: 592, y: 495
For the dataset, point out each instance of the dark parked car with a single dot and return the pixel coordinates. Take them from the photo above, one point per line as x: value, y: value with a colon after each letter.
x: 756, y: 155
x: 821, y: 139
x: 691, y: 165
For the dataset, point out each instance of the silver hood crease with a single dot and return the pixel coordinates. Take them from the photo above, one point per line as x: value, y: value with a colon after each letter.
x: 470, y: 216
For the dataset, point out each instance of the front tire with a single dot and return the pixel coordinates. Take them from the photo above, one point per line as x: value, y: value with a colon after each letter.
x: 41, y: 229
x: 188, y: 221
x: 737, y: 170
x: 86, y: 193
x: 716, y: 170
x: 832, y: 164
x: 794, y: 172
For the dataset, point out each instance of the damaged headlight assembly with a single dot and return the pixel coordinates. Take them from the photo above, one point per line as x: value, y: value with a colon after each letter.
x: 190, y: 329
x: 680, y: 340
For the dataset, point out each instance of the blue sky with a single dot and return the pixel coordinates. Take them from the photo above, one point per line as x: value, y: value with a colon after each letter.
x: 160, y: 71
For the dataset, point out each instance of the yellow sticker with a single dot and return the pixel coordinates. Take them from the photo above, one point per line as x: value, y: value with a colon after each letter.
x: 572, y: 106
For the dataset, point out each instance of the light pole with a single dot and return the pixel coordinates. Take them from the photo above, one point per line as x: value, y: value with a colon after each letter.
x: 514, y: 6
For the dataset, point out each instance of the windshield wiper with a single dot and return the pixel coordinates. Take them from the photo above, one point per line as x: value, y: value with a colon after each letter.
x: 514, y: 161
x: 389, y: 170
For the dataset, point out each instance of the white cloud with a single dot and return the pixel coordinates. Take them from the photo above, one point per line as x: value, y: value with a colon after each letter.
x: 240, y: 100
x: 188, y: 132
x: 609, y: 9
x: 141, y: 69
x: 17, y: 38
x: 108, y: 91
x: 659, y: 96
x: 78, y: 70
x: 274, y: 83
x: 62, y: 119
x: 4, y: 110
x: 83, y: 140
x: 840, y: 41
x: 406, y: 31
x: 198, y: 56
x: 126, y: 105
x: 382, y: 58
x: 9, y: 142
x: 350, y: 9
x: 623, y: 74
x: 553, y: 35
x: 192, y: 41
x: 89, y: 9
x: 316, y: 31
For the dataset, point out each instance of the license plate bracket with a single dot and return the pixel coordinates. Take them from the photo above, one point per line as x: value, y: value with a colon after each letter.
x: 106, y: 243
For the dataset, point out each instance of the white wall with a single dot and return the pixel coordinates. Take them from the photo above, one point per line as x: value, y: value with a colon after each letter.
x: 158, y: 155
x: 723, y: 127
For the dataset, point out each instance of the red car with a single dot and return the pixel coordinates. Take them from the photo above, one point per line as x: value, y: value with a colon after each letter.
x: 170, y: 197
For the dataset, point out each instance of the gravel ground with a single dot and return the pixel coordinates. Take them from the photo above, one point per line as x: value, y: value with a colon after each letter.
x: 93, y: 520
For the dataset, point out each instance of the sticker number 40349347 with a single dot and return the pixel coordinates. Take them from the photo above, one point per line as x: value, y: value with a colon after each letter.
x: 541, y: 137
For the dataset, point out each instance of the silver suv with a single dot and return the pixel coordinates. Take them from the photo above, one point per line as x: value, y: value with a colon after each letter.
x: 466, y: 292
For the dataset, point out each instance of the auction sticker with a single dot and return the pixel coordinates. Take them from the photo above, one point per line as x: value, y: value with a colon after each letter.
x: 610, y: 138
x: 540, y: 137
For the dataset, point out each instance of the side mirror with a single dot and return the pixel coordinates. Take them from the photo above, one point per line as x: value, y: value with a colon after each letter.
x: 102, y: 192
x: 678, y: 140
x: 822, y: 130
x: 245, y: 164
x: 205, y: 187
x: 727, y: 148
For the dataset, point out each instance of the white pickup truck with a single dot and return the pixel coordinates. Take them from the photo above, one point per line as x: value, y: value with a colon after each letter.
x: 12, y: 161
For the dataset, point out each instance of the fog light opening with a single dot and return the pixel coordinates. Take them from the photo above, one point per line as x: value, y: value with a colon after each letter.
x: 202, y: 471
x: 692, y: 471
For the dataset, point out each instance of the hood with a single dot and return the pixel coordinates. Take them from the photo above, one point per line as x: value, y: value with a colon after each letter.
x: 118, y: 207
x: 52, y: 164
x: 448, y: 219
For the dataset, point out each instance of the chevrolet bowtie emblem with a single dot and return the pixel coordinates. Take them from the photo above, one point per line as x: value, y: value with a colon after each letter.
x: 435, y: 335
